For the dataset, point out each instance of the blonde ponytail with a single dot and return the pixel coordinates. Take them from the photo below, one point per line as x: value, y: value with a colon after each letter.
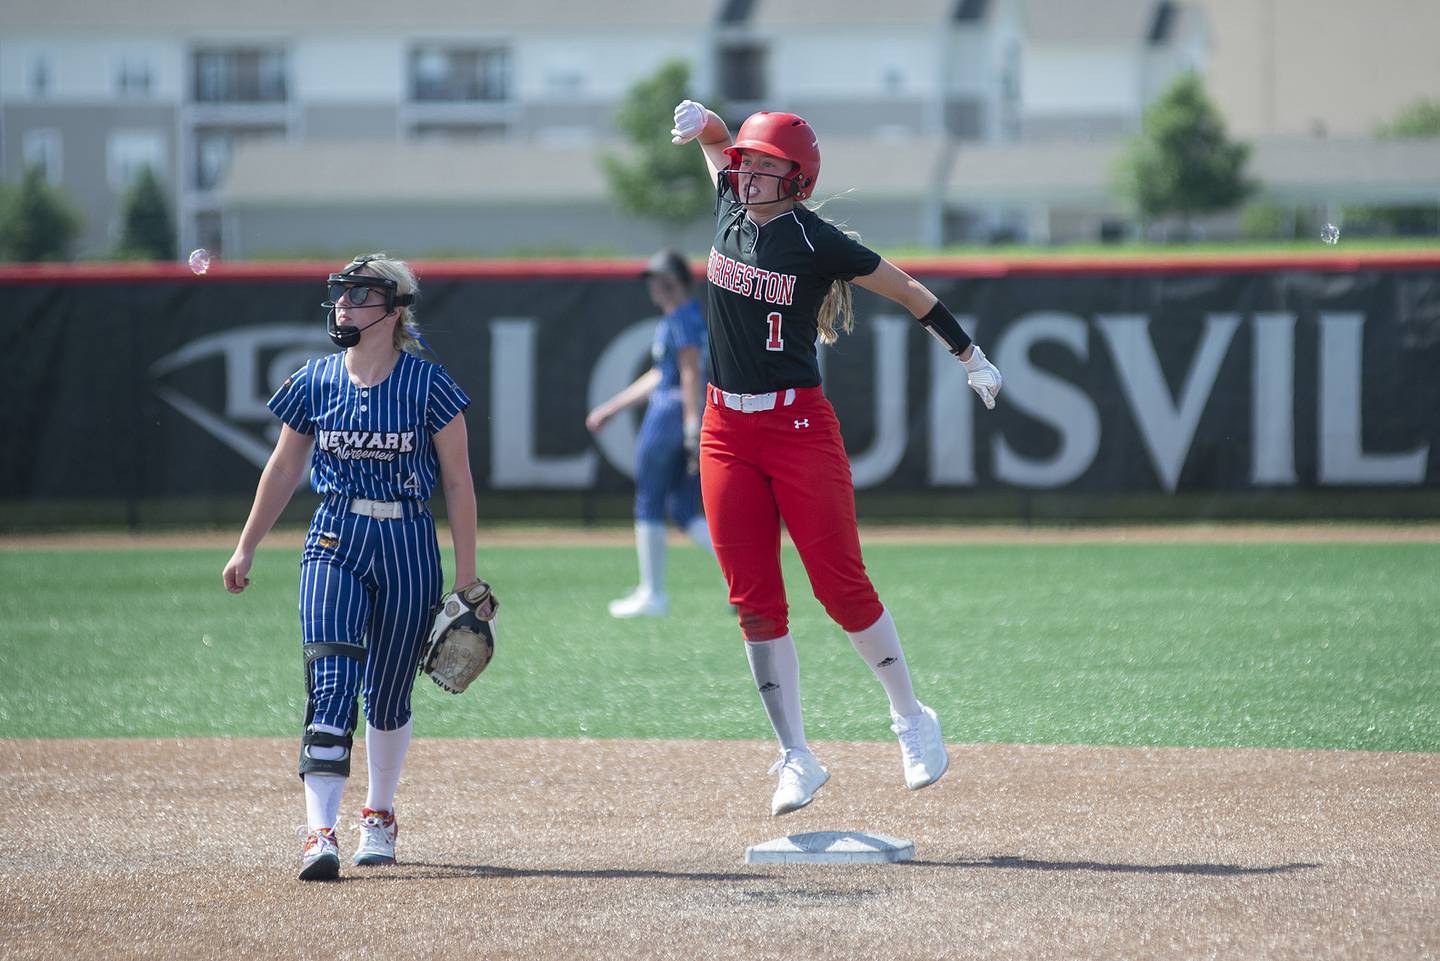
x: 838, y: 305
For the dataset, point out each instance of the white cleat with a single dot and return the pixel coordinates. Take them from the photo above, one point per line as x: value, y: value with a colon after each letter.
x: 377, y: 837
x: 921, y: 747
x: 801, y: 775
x: 640, y: 604
x: 320, y: 857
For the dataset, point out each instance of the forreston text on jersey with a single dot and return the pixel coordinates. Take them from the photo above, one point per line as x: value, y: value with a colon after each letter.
x: 750, y: 281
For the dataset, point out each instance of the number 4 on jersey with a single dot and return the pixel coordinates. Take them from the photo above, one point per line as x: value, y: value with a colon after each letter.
x: 775, y: 341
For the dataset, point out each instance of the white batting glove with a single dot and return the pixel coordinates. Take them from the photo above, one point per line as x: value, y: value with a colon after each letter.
x: 983, y: 376
x: 690, y: 119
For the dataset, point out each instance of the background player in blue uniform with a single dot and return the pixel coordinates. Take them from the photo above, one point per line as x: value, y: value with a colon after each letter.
x: 375, y: 422
x: 667, y: 481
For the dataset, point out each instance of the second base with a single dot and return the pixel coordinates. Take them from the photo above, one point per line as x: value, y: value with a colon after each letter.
x: 831, y: 847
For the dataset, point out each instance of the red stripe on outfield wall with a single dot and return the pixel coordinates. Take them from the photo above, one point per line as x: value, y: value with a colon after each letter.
x: 94, y: 273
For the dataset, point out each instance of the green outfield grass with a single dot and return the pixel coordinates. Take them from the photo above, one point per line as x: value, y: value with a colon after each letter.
x: 1304, y: 645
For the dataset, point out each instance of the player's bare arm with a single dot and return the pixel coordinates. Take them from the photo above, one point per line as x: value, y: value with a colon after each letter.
x: 891, y: 282
x: 277, y: 485
x: 452, y: 447
x: 638, y: 390
x: 693, y: 121
x: 692, y: 389
x: 691, y: 398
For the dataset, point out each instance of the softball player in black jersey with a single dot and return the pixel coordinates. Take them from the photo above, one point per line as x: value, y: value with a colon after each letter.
x: 376, y: 423
x: 770, y: 446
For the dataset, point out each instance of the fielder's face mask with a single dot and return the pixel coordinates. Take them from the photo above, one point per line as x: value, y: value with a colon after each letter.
x: 360, y: 290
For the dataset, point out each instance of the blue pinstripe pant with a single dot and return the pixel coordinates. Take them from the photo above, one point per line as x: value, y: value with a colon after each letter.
x: 373, y: 583
x: 663, y: 485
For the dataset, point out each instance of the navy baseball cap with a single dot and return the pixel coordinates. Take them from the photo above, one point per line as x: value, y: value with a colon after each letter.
x: 669, y: 262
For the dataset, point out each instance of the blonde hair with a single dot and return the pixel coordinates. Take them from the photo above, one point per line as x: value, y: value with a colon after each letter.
x: 838, y: 305
x: 407, y: 330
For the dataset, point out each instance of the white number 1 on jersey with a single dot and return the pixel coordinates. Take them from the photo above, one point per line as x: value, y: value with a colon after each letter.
x: 776, y: 342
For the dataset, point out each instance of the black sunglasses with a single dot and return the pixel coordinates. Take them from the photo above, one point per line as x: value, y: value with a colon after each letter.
x: 358, y: 295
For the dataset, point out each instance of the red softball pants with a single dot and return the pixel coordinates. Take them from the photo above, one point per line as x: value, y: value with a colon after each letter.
x: 784, y: 464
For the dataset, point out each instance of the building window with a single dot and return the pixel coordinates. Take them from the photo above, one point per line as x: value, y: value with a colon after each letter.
x: 240, y: 75
x: 742, y: 71
x: 214, y: 147
x: 132, y: 77
x: 39, y: 75
x: 736, y: 11
x: 459, y: 74
x: 562, y: 82
x: 209, y: 231
x: 458, y: 132
x: 42, y: 148
x: 127, y: 152
x: 1010, y: 99
x: 212, y: 157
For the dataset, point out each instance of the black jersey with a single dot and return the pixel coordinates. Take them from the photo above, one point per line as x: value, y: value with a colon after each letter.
x: 766, y: 286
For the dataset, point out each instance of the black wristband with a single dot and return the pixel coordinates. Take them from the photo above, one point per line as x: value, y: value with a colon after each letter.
x: 943, y: 326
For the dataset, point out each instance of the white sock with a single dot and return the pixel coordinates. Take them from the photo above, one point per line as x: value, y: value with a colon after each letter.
x: 650, y: 548
x: 776, y: 670
x: 699, y: 532
x: 879, y: 645
x: 322, y: 797
x: 385, y: 755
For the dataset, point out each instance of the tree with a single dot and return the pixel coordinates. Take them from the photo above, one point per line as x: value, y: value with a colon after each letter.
x: 1182, y: 163
x: 658, y: 181
x: 147, y: 232
x: 36, y: 222
x: 1418, y: 120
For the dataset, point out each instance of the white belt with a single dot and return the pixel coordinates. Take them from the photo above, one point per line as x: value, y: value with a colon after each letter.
x: 752, y: 403
x: 381, y: 510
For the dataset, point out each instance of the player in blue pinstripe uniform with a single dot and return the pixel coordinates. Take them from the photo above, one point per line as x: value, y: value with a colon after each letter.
x: 667, y: 481
x: 377, y: 425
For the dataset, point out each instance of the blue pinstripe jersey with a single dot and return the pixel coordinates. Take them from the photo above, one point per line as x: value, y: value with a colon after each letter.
x: 682, y: 327
x: 371, y: 442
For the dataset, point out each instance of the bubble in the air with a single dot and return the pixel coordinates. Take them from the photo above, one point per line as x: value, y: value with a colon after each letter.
x: 200, y: 260
x: 1330, y: 234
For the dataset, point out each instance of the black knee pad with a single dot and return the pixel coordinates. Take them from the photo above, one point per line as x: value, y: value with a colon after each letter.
x: 319, y: 765
x: 309, y: 739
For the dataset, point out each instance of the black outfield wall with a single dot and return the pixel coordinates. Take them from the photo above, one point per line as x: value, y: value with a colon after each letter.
x: 1134, y: 389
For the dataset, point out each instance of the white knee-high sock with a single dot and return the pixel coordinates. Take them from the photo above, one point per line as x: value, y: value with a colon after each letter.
x: 776, y: 670
x: 322, y: 791
x: 385, y: 754
x: 322, y: 798
x: 879, y: 645
x: 650, y: 549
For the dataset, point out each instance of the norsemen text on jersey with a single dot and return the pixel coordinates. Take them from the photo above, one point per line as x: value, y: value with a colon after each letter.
x: 750, y: 281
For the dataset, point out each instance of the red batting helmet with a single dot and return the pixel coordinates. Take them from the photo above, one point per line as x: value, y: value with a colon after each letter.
x: 781, y: 135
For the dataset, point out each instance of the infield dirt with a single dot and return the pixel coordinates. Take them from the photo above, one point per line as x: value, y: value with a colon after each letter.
x: 635, y: 849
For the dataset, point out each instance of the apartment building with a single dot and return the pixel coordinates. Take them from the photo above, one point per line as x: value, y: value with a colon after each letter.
x: 261, y: 116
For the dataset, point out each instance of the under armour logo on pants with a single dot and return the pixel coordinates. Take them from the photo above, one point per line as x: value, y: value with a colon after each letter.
x: 804, y: 422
